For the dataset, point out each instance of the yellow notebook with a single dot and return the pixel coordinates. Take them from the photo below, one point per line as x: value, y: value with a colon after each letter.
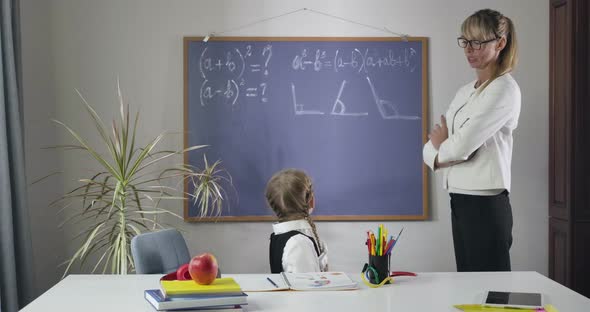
x: 481, y: 308
x: 220, y: 285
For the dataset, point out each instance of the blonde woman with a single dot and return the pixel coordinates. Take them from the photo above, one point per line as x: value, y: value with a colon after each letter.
x: 295, y: 246
x: 472, y: 145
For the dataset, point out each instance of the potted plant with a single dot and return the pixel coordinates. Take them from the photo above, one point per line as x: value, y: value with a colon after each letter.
x: 122, y: 199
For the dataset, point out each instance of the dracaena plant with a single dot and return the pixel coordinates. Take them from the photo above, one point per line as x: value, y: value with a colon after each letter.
x: 124, y: 197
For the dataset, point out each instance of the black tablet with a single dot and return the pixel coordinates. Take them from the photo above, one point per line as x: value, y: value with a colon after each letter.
x: 514, y: 299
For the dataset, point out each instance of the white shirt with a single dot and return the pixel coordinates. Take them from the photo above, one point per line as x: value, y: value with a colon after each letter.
x: 299, y: 255
x: 484, y: 122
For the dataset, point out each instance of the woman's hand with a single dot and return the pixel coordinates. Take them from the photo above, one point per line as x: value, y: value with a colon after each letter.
x: 440, y: 133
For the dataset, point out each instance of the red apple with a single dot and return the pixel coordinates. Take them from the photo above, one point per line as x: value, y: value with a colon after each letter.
x: 182, y: 273
x: 203, y: 268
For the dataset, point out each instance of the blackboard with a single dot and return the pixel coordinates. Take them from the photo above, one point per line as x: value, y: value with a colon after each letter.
x: 351, y: 112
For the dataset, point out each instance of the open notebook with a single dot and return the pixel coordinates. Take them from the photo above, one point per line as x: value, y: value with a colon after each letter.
x: 298, y: 281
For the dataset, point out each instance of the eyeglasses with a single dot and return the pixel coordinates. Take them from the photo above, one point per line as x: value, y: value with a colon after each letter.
x: 475, y: 44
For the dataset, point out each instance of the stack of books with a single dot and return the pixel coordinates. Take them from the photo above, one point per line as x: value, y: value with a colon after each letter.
x: 224, y: 295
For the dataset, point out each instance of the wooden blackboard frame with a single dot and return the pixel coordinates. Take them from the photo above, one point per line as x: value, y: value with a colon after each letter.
x: 425, y: 97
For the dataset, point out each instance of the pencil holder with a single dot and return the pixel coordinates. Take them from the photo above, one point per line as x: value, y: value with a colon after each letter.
x: 381, y: 265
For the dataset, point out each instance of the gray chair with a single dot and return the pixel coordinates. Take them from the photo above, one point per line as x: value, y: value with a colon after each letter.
x: 159, y: 252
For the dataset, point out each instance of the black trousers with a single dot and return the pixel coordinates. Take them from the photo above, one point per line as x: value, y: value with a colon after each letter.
x: 482, y: 232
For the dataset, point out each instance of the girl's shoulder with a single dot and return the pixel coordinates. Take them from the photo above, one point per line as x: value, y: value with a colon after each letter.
x: 302, y: 240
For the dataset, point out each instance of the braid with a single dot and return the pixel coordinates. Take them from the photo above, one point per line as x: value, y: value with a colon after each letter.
x: 308, y: 198
x: 315, y: 232
x: 317, y: 237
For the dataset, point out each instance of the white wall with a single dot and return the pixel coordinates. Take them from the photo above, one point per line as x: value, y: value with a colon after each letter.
x: 90, y: 43
x: 39, y: 108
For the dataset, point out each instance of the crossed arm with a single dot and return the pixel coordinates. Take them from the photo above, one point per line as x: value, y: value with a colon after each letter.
x: 437, y: 136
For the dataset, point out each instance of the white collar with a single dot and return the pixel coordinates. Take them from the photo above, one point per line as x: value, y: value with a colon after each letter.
x: 287, y: 226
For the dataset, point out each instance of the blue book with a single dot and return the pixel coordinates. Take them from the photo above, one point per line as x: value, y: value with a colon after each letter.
x: 201, y: 302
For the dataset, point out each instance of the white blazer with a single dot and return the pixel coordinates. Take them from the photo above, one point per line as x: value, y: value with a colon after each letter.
x: 482, y: 121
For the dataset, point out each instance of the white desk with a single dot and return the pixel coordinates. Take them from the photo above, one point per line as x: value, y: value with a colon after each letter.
x: 427, y: 292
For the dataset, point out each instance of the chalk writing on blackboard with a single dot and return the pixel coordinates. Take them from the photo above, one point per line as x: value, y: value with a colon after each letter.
x: 384, y: 106
x: 357, y: 60
x: 234, y: 63
x: 340, y: 109
x: 387, y: 109
x: 299, y: 107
